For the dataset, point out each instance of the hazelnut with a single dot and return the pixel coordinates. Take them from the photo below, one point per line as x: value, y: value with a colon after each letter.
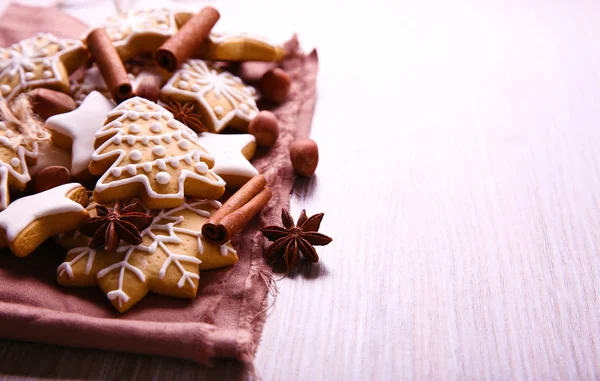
x: 265, y: 128
x: 304, y: 155
x: 47, y: 103
x: 275, y: 85
x: 51, y: 177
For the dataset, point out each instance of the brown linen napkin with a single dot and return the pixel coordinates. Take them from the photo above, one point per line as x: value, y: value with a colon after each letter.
x: 227, y: 316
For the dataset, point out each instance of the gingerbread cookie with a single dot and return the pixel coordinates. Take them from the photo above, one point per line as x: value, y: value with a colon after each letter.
x: 29, y: 221
x: 231, y: 153
x: 142, y: 151
x: 75, y: 131
x: 40, y: 61
x: 220, y: 98
x: 239, y: 47
x: 167, y: 262
x: 91, y: 80
x: 143, y: 31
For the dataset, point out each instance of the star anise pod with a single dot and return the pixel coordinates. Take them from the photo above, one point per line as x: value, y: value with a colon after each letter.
x: 110, y: 227
x: 186, y: 115
x: 291, y: 239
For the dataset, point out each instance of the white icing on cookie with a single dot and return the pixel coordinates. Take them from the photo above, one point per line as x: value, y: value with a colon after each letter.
x: 26, y: 57
x: 227, y: 151
x: 24, y: 211
x: 222, y: 85
x: 81, y: 126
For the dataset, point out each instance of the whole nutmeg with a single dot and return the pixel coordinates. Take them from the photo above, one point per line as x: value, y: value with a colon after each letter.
x: 147, y: 86
x: 275, y: 85
x: 51, y: 177
x: 47, y: 103
x: 304, y: 155
x: 265, y: 128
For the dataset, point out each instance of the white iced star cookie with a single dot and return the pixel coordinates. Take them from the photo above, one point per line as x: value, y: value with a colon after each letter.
x: 29, y: 221
x: 231, y: 153
x: 167, y: 262
x: 143, y: 31
x: 40, y: 61
x: 75, y: 131
x: 220, y: 98
x: 142, y: 151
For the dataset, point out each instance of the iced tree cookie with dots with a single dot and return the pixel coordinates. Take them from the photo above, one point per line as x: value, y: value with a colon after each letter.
x: 142, y: 151
x: 232, y: 154
x: 167, y: 262
x: 75, y: 131
x: 220, y: 98
x: 29, y: 221
x: 143, y: 31
x: 40, y: 61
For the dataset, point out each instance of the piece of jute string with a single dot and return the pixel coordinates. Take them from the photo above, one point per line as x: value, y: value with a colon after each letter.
x: 19, y: 116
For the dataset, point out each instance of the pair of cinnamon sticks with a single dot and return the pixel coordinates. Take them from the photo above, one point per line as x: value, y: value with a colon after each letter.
x: 235, y: 214
x: 174, y: 52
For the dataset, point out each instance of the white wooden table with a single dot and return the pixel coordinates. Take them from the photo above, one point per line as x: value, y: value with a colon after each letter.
x: 460, y: 180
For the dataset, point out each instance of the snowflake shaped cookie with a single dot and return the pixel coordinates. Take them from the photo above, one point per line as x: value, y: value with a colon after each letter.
x: 142, y: 151
x: 220, y: 98
x: 142, y: 31
x: 15, y: 158
x: 167, y: 262
x: 40, y: 61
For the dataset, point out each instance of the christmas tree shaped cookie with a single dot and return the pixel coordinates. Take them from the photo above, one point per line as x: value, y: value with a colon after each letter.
x: 167, y: 262
x: 142, y: 151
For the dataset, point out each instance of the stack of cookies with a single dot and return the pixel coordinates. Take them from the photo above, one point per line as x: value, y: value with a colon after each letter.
x: 119, y: 146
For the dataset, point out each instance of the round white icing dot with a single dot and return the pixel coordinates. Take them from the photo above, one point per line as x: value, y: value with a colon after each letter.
x: 244, y: 107
x: 117, y: 139
x: 156, y: 127
x: 163, y: 178
x: 219, y: 110
x: 156, y: 139
x: 185, y: 66
x: 251, y: 102
x: 166, y: 115
x: 174, y: 162
x: 3, y: 126
x: 14, y: 162
x: 9, y: 134
x: 46, y: 63
x: 177, y: 135
x: 138, y: 108
x: 47, y: 74
x: 183, y: 85
x: 44, y: 51
x: 183, y: 144
x: 195, y: 87
x: 188, y: 160
x: 135, y: 155
x: 134, y: 129
x: 173, y: 123
x: 167, y: 138
x: 160, y: 163
x: 159, y: 150
x: 147, y: 167
x: 116, y: 172
x: 29, y: 75
x: 146, y: 116
x: 185, y: 76
x: 201, y: 167
x: 145, y: 140
x: 131, y: 169
x: 130, y: 140
x: 133, y: 115
x: 5, y: 89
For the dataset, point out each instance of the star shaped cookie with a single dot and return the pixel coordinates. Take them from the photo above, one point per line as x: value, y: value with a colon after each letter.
x: 29, y: 221
x: 167, y: 262
x: 75, y: 131
x: 142, y: 31
x: 221, y: 99
x: 40, y: 61
x: 231, y: 153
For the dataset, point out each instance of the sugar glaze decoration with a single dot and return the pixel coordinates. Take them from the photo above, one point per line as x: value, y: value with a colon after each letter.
x: 219, y: 95
x: 35, y: 62
x: 161, y: 238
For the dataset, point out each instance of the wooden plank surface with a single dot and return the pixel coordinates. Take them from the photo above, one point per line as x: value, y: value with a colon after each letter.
x: 459, y: 177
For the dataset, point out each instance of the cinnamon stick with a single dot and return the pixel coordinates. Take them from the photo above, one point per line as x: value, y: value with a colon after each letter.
x: 180, y: 47
x: 111, y: 67
x: 237, y: 211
